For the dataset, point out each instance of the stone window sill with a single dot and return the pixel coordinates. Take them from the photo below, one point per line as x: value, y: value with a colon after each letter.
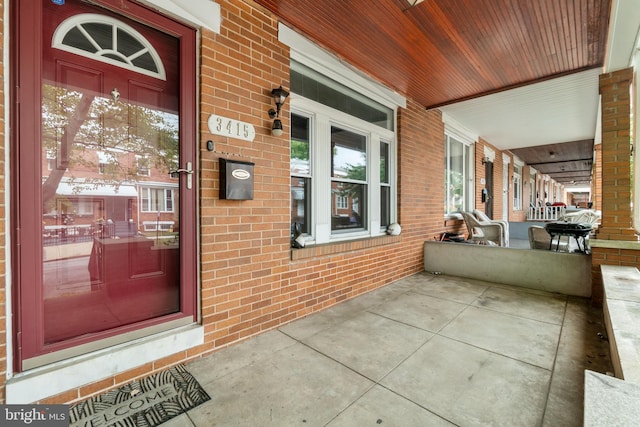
x: 340, y: 247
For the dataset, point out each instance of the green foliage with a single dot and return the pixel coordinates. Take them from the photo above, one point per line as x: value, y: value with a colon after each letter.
x: 299, y: 150
x: 76, y: 126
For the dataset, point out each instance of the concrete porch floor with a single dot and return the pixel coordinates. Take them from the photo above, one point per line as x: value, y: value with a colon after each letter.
x: 423, y: 351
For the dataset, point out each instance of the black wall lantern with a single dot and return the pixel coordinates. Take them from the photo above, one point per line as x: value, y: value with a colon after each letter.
x: 279, y: 96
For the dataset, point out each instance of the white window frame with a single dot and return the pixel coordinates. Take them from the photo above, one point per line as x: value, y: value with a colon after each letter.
x: 469, y: 169
x: 342, y: 202
x: 322, y: 118
x: 306, y: 175
x: 386, y: 184
x: 167, y: 194
x: 103, y: 55
x: 517, y: 184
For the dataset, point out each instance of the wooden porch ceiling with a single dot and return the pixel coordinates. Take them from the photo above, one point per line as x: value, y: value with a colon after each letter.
x: 569, y: 163
x: 439, y: 52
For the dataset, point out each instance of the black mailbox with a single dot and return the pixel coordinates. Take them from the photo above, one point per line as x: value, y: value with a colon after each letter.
x: 236, y: 180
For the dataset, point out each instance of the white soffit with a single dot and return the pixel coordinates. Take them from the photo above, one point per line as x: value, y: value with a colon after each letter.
x: 201, y: 13
x: 560, y: 110
x: 624, y: 31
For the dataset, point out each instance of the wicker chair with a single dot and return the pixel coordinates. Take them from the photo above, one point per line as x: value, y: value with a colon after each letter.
x: 504, y: 224
x: 483, y: 232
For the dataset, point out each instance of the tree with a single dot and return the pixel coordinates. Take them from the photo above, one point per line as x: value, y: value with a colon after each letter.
x: 76, y: 126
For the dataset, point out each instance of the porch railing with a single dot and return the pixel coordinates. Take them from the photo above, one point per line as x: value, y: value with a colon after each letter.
x: 545, y: 213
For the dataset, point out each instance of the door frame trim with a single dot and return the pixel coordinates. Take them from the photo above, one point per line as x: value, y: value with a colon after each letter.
x: 25, y: 15
x: 46, y: 381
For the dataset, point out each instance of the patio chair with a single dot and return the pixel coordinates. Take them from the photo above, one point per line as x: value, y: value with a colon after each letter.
x: 581, y: 217
x: 504, y: 224
x: 482, y: 231
x: 540, y: 239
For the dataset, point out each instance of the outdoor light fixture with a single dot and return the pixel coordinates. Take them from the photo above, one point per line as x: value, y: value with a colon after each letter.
x: 279, y: 96
x: 276, y: 129
x: 485, y: 160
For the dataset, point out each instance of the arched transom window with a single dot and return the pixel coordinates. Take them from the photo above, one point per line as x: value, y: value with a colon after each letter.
x: 108, y: 40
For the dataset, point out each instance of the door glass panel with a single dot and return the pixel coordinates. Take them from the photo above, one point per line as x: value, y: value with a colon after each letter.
x: 110, y: 224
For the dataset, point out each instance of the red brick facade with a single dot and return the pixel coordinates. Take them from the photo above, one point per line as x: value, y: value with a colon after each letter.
x: 616, y: 156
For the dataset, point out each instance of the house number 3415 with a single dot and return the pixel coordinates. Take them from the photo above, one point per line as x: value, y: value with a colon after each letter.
x: 225, y: 126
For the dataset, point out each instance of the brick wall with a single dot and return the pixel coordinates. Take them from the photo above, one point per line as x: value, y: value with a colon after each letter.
x: 609, y: 256
x: 616, y: 156
x: 596, y: 182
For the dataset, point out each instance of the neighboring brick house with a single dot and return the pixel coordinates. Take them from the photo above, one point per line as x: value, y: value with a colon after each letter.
x: 228, y: 272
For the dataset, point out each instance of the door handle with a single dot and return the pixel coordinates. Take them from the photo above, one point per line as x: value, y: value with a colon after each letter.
x: 188, y: 170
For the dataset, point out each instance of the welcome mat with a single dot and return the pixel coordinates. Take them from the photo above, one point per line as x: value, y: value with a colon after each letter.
x: 148, y: 402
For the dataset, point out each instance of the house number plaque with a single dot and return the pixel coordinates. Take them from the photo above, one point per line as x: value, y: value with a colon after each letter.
x: 225, y: 126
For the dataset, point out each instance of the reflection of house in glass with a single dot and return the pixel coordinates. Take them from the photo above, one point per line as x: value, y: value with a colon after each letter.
x: 300, y: 192
x: 91, y: 203
x: 348, y: 179
x: 346, y: 202
x: 105, y: 167
x: 110, y: 232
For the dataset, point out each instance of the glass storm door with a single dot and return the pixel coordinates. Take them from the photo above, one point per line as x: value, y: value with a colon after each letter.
x: 111, y: 212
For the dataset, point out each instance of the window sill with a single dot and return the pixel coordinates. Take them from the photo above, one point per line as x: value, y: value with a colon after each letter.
x: 453, y: 220
x: 346, y: 246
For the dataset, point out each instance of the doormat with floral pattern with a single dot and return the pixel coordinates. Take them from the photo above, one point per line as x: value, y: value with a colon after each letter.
x: 147, y: 402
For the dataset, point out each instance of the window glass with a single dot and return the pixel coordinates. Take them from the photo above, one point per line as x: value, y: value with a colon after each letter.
x: 455, y: 176
x: 349, y: 177
x: 385, y: 188
x: 300, y: 158
x: 300, y: 172
x: 348, y: 155
x: 384, y: 162
x: 109, y: 40
x: 315, y: 86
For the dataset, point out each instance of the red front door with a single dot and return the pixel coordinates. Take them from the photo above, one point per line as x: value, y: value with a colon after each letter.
x: 106, y: 241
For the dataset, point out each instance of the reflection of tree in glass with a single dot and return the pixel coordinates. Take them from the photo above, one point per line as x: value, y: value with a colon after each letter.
x: 299, y: 150
x: 456, y: 186
x: 76, y: 124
